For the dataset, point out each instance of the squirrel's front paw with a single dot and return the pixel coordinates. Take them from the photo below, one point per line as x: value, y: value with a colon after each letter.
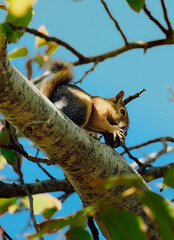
x: 120, y: 133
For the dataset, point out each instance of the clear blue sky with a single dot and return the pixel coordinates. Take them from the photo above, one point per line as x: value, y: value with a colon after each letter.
x: 86, y: 26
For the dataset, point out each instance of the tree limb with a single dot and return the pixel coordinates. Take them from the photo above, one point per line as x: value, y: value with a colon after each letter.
x: 17, y: 190
x: 83, y: 159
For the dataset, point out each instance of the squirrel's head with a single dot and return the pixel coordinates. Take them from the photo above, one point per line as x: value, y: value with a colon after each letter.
x: 122, y: 119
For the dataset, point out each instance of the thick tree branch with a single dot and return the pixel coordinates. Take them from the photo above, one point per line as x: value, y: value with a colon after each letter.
x: 17, y: 190
x: 98, y: 58
x: 82, y: 158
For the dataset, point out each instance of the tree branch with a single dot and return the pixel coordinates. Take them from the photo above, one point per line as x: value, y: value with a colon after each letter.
x: 47, y: 38
x: 166, y: 17
x: 148, y: 13
x: 98, y: 58
x: 17, y: 190
x: 160, y: 139
x: 156, y: 172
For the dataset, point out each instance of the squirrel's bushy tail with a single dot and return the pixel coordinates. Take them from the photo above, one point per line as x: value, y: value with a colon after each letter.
x: 63, y: 74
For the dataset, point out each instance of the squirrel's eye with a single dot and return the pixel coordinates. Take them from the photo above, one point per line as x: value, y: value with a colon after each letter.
x: 122, y: 111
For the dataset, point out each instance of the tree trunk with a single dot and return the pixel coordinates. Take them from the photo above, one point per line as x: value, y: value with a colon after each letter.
x: 82, y: 158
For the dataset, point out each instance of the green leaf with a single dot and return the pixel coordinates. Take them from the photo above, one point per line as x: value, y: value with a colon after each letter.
x: 20, y: 52
x: 162, y: 211
x: 169, y: 178
x: 78, y: 233
x: 5, y: 203
x: 9, y: 155
x: 126, y: 179
x: 39, y: 59
x: 50, y: 226
x: 20, y: 21
x: 10, y: 35
x: 123, y: 225
x: 136, y: 5
x: 48, y: 213
x: 42, y: 202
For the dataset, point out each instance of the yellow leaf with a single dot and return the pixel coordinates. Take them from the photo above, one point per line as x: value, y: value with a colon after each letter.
x: 41, y: 41
x: 42, y: 202
x: 19, y: 8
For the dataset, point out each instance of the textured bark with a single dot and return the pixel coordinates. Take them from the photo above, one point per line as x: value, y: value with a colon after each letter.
x: 82, y: 158
x: 17, y: 190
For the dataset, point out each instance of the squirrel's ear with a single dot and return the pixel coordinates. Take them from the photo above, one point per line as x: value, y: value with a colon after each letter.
x: 119, y: 97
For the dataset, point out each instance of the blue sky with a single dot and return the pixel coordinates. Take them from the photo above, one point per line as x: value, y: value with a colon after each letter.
x: 86, y: 26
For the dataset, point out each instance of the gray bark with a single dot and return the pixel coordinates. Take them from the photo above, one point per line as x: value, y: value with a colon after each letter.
x: 82, y: 158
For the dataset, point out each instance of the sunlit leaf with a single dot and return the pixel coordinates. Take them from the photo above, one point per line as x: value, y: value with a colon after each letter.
x: 162, y: 211
x: 126, y: 179
x: 51, y: 226
x: 136, y: 5
x: 5, y: 203
x: 52, y: 47
x: 9, y: 155
x: 41, y: 41
x: 19, y: 8
x: 20, y: 52
x: 39, y: 59
x: 42, y: 202
x: 3, y: 162
x: 123, y: 225
x: 169, y: 178
x: 78, y: 233
x: 13, y: 208
x: 22, y: 21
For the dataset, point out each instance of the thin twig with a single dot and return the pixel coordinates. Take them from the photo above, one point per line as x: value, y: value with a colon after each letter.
x: 131, y: 156
x: 28, y: 156
x: 166, y: 16
x: 14, y: 140
x: 4, y: 235
x: 153, y: 156
x: 87, y: 72
x: 47, y: 38
x: 160, y: 139
x: 94, y: 230
x: 150, y: 160
x: 171, y: 93
x: 40, y: 78
x: 132, y: 97
x: 148, y: 13
x: 43, y: 169
x: 115, y: 22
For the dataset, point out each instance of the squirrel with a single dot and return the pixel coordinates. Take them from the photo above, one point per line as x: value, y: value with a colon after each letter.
x: 94, y: 114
